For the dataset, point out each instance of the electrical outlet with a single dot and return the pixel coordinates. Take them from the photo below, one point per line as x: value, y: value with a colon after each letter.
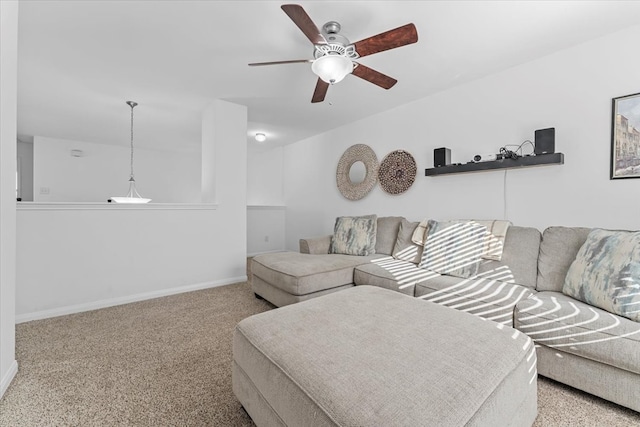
x: 44, y: 190
x: 266, y: 239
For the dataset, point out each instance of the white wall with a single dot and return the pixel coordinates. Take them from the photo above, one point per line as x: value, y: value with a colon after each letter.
x: 25, y: 159
x: 264, y: 180
x: 570, y: 90
x: 265, y: 229
x: 78, y: 257
x: 103, y: 171
x: 8, y: 133
x: 265, y: 210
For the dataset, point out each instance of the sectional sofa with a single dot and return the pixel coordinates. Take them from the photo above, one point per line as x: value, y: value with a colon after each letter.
x: 578, y: 344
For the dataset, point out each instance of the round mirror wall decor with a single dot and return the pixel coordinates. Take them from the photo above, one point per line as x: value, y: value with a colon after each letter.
x: 357, y: 172
x: 357, y: 190
x: 397, y: 172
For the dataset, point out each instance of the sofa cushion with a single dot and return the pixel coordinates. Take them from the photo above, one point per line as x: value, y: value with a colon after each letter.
x: 563, y: 323
x: 494, y: 241
x: 606, y: 272
x: 496, y: 231
x: 558, y: 249
x: 520, y: 256
x: 391, y: 273
x: 301, y: 274
x: 387, y: 234
x: 315, y: 245
x: 404, y: 249
x: 354, y: 235
x: 489, y: 295
x: 454, y: 248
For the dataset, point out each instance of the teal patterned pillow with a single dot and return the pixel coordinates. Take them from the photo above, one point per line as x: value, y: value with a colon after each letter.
x: 606, y: 272
x: 454, y: 248
x: 354, y: 235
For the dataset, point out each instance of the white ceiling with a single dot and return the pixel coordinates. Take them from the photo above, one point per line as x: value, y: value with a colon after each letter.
x: 79, y: 61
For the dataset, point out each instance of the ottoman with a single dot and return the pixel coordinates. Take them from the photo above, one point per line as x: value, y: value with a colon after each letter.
x: 368, y: 356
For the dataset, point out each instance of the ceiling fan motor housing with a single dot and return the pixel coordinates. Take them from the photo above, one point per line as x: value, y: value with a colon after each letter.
x: 332, y: 27
x: 348, y: 51
x: 337, y: 44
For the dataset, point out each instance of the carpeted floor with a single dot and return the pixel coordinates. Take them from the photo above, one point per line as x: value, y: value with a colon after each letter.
x: 167, y: 362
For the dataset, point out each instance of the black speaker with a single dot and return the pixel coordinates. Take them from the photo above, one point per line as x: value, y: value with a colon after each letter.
x: 545, y: 141
x: 441, y: 157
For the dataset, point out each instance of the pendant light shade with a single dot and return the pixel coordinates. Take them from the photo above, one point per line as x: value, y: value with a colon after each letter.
x: 132, y: 196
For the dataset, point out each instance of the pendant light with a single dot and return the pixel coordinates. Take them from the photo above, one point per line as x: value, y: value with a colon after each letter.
x: 132, y: 196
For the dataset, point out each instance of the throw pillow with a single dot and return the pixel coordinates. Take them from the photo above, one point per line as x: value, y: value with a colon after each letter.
x: 354, y: 235
x: 454, y: 248
x: 404, y: 248
x: 387, y: 234
x: 606, y: 272
x: 494, y: 239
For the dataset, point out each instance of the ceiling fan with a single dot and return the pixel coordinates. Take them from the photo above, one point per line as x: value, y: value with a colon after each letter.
x: 334, y: 55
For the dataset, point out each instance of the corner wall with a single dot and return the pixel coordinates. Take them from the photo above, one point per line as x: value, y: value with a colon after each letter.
x: 8, y: 135
x: 25, y: 159
x: 265, y: 210
x: 570, y: 90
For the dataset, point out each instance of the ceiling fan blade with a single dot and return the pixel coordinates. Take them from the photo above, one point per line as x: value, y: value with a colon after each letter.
x: 304, y: 22
x: 294, y: 61
x: 391, y: 39
x: 320, y: 92
x: 373, y: 76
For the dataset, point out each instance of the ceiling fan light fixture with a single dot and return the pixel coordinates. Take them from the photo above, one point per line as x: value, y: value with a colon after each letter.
x: 332, y: 68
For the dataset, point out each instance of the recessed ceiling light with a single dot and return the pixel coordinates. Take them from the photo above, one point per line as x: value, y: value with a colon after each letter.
x: 261, y: 137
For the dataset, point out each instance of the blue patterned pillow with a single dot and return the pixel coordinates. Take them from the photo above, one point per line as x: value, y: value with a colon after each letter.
x: 354, y: 235
x: 454, y: 248
x: 606, y: 272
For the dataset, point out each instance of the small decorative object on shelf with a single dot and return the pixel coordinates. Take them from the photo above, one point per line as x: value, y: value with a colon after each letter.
x: 506, y: 163
x: 441, y: 157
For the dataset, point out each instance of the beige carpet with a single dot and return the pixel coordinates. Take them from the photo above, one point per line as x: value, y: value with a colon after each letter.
x: 166, y: 362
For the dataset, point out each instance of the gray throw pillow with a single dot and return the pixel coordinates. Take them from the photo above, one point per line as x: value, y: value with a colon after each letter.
x: 404, y: 248
x: 453, y: 248
x: 387, y: 233
x: 606, y: 272
x: 354, y: 235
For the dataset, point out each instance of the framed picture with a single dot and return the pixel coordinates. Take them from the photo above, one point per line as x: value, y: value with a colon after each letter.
x: 625, y: 137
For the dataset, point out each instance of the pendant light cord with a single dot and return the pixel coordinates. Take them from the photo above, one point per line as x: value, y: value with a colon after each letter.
x: 132, y: 105
x: 132, y: 196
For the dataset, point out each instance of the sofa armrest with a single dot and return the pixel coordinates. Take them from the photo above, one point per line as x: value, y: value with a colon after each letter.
x: 315, y: 245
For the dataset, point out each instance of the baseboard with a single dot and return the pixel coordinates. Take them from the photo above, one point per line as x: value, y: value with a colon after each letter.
x: 6, y: 380
x: 95, y: 305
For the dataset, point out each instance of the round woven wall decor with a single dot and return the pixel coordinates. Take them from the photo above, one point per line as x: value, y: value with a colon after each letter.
x: 397, y: 172
x: 357, y: 153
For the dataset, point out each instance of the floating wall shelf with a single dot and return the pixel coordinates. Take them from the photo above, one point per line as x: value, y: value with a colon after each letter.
x: 521, y: 162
